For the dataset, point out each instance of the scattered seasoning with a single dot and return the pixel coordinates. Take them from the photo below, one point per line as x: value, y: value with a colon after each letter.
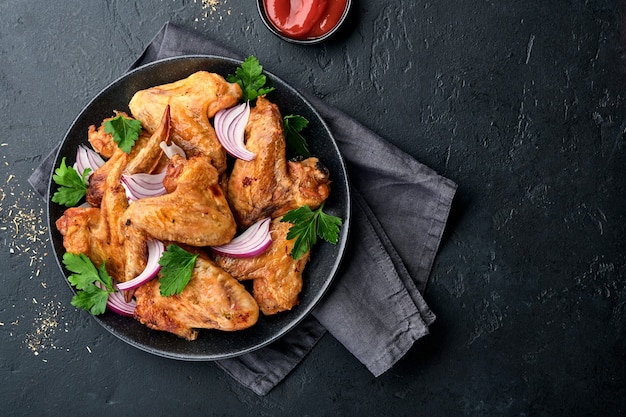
x: 210, y: 9
x: 26, y: 231
x: 25, y: 234
x: 45, y: 326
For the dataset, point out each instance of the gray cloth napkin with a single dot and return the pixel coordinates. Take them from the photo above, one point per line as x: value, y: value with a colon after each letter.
x: 400, y: 207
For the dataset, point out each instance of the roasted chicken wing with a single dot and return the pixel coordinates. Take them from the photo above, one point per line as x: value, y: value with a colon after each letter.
x: 193, y: 101
x: 277, y: 277
x: 97, y: 232
x: 194, y: 211
x: 211, y: 300
x: 269, y: 185
x: 146, y: 155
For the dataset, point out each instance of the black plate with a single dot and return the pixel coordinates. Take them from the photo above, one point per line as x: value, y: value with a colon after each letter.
x: 325, y: 258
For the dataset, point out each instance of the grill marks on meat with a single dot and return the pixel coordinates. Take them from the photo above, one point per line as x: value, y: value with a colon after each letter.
x: 211, y: 300
x: 269, y: 185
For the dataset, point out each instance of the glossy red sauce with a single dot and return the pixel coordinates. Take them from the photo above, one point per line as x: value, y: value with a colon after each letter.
x: 304, y: 19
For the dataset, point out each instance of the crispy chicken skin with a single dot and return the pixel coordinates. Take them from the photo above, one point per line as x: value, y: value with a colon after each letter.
x: 101, y: 141
x: 97, y: 233
x: 145, y: 157
x: 193, y: 212
x: 98, y: 180
x: 211, y: 300
x: 277, y: 277
x: 268, y: 185
x: 148, y: 157
x: 193, y: 101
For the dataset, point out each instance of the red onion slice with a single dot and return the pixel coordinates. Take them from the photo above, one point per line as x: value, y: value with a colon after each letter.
x: 254, y: 241
x: 230, y: 125
x: 155, y: 249
x: 87, y: 158
x: 117, y: 304
x: 142, y: 185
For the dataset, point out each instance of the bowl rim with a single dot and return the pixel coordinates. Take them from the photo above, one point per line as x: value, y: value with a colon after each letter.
x: 307, y: 41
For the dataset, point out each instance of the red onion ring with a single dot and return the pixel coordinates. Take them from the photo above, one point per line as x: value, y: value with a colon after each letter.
x: 142, y: 185
x: 254, y: 241
x: 230, y: 125
x: 155, y: 249
x: 118, y: 304
x: 87, y: 158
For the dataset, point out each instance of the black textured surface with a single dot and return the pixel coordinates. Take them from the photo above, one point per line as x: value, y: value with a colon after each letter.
x: 521, y: 103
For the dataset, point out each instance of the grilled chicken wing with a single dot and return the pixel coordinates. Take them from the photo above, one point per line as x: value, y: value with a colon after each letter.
x: 97, y: 232
x: 146, y: 155
x: 211, y: 300
x: 101, y: 141
x: 193, y: 101
x: 277, y: 277
x: 193, y: 212
x: 269, y: 185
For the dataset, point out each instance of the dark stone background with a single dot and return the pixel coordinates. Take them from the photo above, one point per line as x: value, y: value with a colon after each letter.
x: 522, y: 103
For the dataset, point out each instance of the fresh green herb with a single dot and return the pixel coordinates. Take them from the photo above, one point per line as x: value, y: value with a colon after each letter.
x: 93, y: 285
x: 293, y: 125
x: 176, y: 267
x: 72, y: 185
x: 308, y: 225
x: 125, y: 131
x: 249, y: 76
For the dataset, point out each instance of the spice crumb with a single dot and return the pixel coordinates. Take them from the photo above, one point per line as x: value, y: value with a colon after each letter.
x: 209, y: 7
x: 45, y: 327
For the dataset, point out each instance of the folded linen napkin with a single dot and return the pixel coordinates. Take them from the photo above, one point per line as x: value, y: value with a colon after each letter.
x: 400, y: 207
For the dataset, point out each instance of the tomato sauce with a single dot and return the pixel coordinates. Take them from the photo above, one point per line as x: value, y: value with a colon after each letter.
x: 304, y: 19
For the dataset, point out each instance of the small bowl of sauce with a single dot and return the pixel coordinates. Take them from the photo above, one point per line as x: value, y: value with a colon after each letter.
x: 303, y: 21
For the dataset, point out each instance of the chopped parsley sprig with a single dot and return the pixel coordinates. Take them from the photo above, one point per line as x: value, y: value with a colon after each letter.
x: 176, y: 267
x: 293, y: 125
x: 72, y: 185
x: 308, y: 225
x: 249, y: 75
x: 93, y: 285
x: 125, y: 131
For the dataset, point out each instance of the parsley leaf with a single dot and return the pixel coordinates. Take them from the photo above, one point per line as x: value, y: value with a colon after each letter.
x: 176, y: 267
x: 293, y: 125
x: 249, y: 76
x: 125, y: 131
x: 308, y: 225
x: 93, y: 285
x: 92, y: 299
x: 73, y: 186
